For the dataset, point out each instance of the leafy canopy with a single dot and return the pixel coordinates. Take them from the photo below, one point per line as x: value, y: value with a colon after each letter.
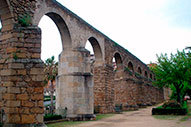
x: 174, y: 72
x: 51, y: 69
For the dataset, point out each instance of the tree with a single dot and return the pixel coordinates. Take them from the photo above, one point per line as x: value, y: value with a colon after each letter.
x: 51, y: 71
x: 174, y: 72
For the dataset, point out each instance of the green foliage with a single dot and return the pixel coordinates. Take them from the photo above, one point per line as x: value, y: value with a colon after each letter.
x: 171, y: 104
x: 127, y: 70
x: 50, y: 72
x: 49, y: 117
x: 25, y: 20
x: 138, y: 75
x: 174, y: 72
x: 51, y: 69
x: 48, y: 98
x: 15, y: 57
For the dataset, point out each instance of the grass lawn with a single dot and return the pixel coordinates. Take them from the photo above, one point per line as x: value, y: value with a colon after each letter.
x: 72, y: 123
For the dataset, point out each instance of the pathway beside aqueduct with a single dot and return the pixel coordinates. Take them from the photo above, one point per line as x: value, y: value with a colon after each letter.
x: 80, y: 88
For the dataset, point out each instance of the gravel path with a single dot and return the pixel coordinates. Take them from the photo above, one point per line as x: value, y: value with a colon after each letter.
x: 140, y: 118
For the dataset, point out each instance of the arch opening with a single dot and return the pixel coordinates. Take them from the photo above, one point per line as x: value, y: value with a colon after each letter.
x: 139, y: 70
x: 51, y: 43
x: 62, y: 28
x: 130, y: 66
x: 4, y: 13
x: 55, y: 37
x: 151, y: 76
x: 117, y: 62
x: 146, y: 74
x: 95, y: 50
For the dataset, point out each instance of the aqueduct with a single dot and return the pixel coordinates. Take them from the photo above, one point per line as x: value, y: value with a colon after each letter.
x: 80, y: 88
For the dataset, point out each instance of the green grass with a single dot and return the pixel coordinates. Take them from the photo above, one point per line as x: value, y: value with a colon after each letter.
x: 102, y: 116
x: 65, y: 124
x: 188, y: 116
x: 73, y: 123
x: 166, y: 117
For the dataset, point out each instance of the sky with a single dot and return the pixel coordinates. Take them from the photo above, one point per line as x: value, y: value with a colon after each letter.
x: 144, y: 27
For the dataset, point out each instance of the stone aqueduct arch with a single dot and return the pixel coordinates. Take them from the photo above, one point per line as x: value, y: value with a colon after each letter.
x: 78, y: 89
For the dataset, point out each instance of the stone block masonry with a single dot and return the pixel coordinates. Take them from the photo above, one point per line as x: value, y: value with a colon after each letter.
x: 130, y: 88
x: 21, y: 77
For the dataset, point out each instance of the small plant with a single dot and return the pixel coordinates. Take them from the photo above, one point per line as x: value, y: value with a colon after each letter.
x: 127, y: 70
x: 25, y: 20
x: 15, y: 57
x: 138, y: 75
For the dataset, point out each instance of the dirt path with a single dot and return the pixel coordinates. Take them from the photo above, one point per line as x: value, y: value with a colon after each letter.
x: 140, y: 118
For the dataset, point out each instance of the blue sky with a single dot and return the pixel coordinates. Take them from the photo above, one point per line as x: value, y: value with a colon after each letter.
x: 144, y: 27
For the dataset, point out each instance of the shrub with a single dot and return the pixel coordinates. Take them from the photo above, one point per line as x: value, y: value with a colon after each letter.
x: 162, y: 111
x: 50, y: 117
x: 171, y: 108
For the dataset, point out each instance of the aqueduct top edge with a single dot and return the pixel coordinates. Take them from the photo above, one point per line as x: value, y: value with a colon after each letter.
x: 96, y: 30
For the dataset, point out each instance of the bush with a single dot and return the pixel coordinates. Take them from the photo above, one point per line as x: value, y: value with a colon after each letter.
x: 171, y: 104
x: 162, y: 111
x: 50, y: 117
x: 171, y: 108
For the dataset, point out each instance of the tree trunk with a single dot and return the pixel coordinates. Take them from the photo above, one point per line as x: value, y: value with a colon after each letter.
x: 178, y: 95
x: 51, y: 96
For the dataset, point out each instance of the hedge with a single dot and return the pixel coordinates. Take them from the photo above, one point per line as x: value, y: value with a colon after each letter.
x: 158, y: 111
x: 50, y: 117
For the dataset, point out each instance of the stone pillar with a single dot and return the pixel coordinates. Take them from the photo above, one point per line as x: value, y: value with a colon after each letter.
x: 74, y: 90
x: 104, y: 89
x: 21, y: 77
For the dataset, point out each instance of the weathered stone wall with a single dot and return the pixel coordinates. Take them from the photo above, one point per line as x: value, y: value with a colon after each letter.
x: 75, y: 86
x: 132, y: 89
x: 21, y: 88
x: 21, y: 76
x: 22, y: 8
x: 103, y: 89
